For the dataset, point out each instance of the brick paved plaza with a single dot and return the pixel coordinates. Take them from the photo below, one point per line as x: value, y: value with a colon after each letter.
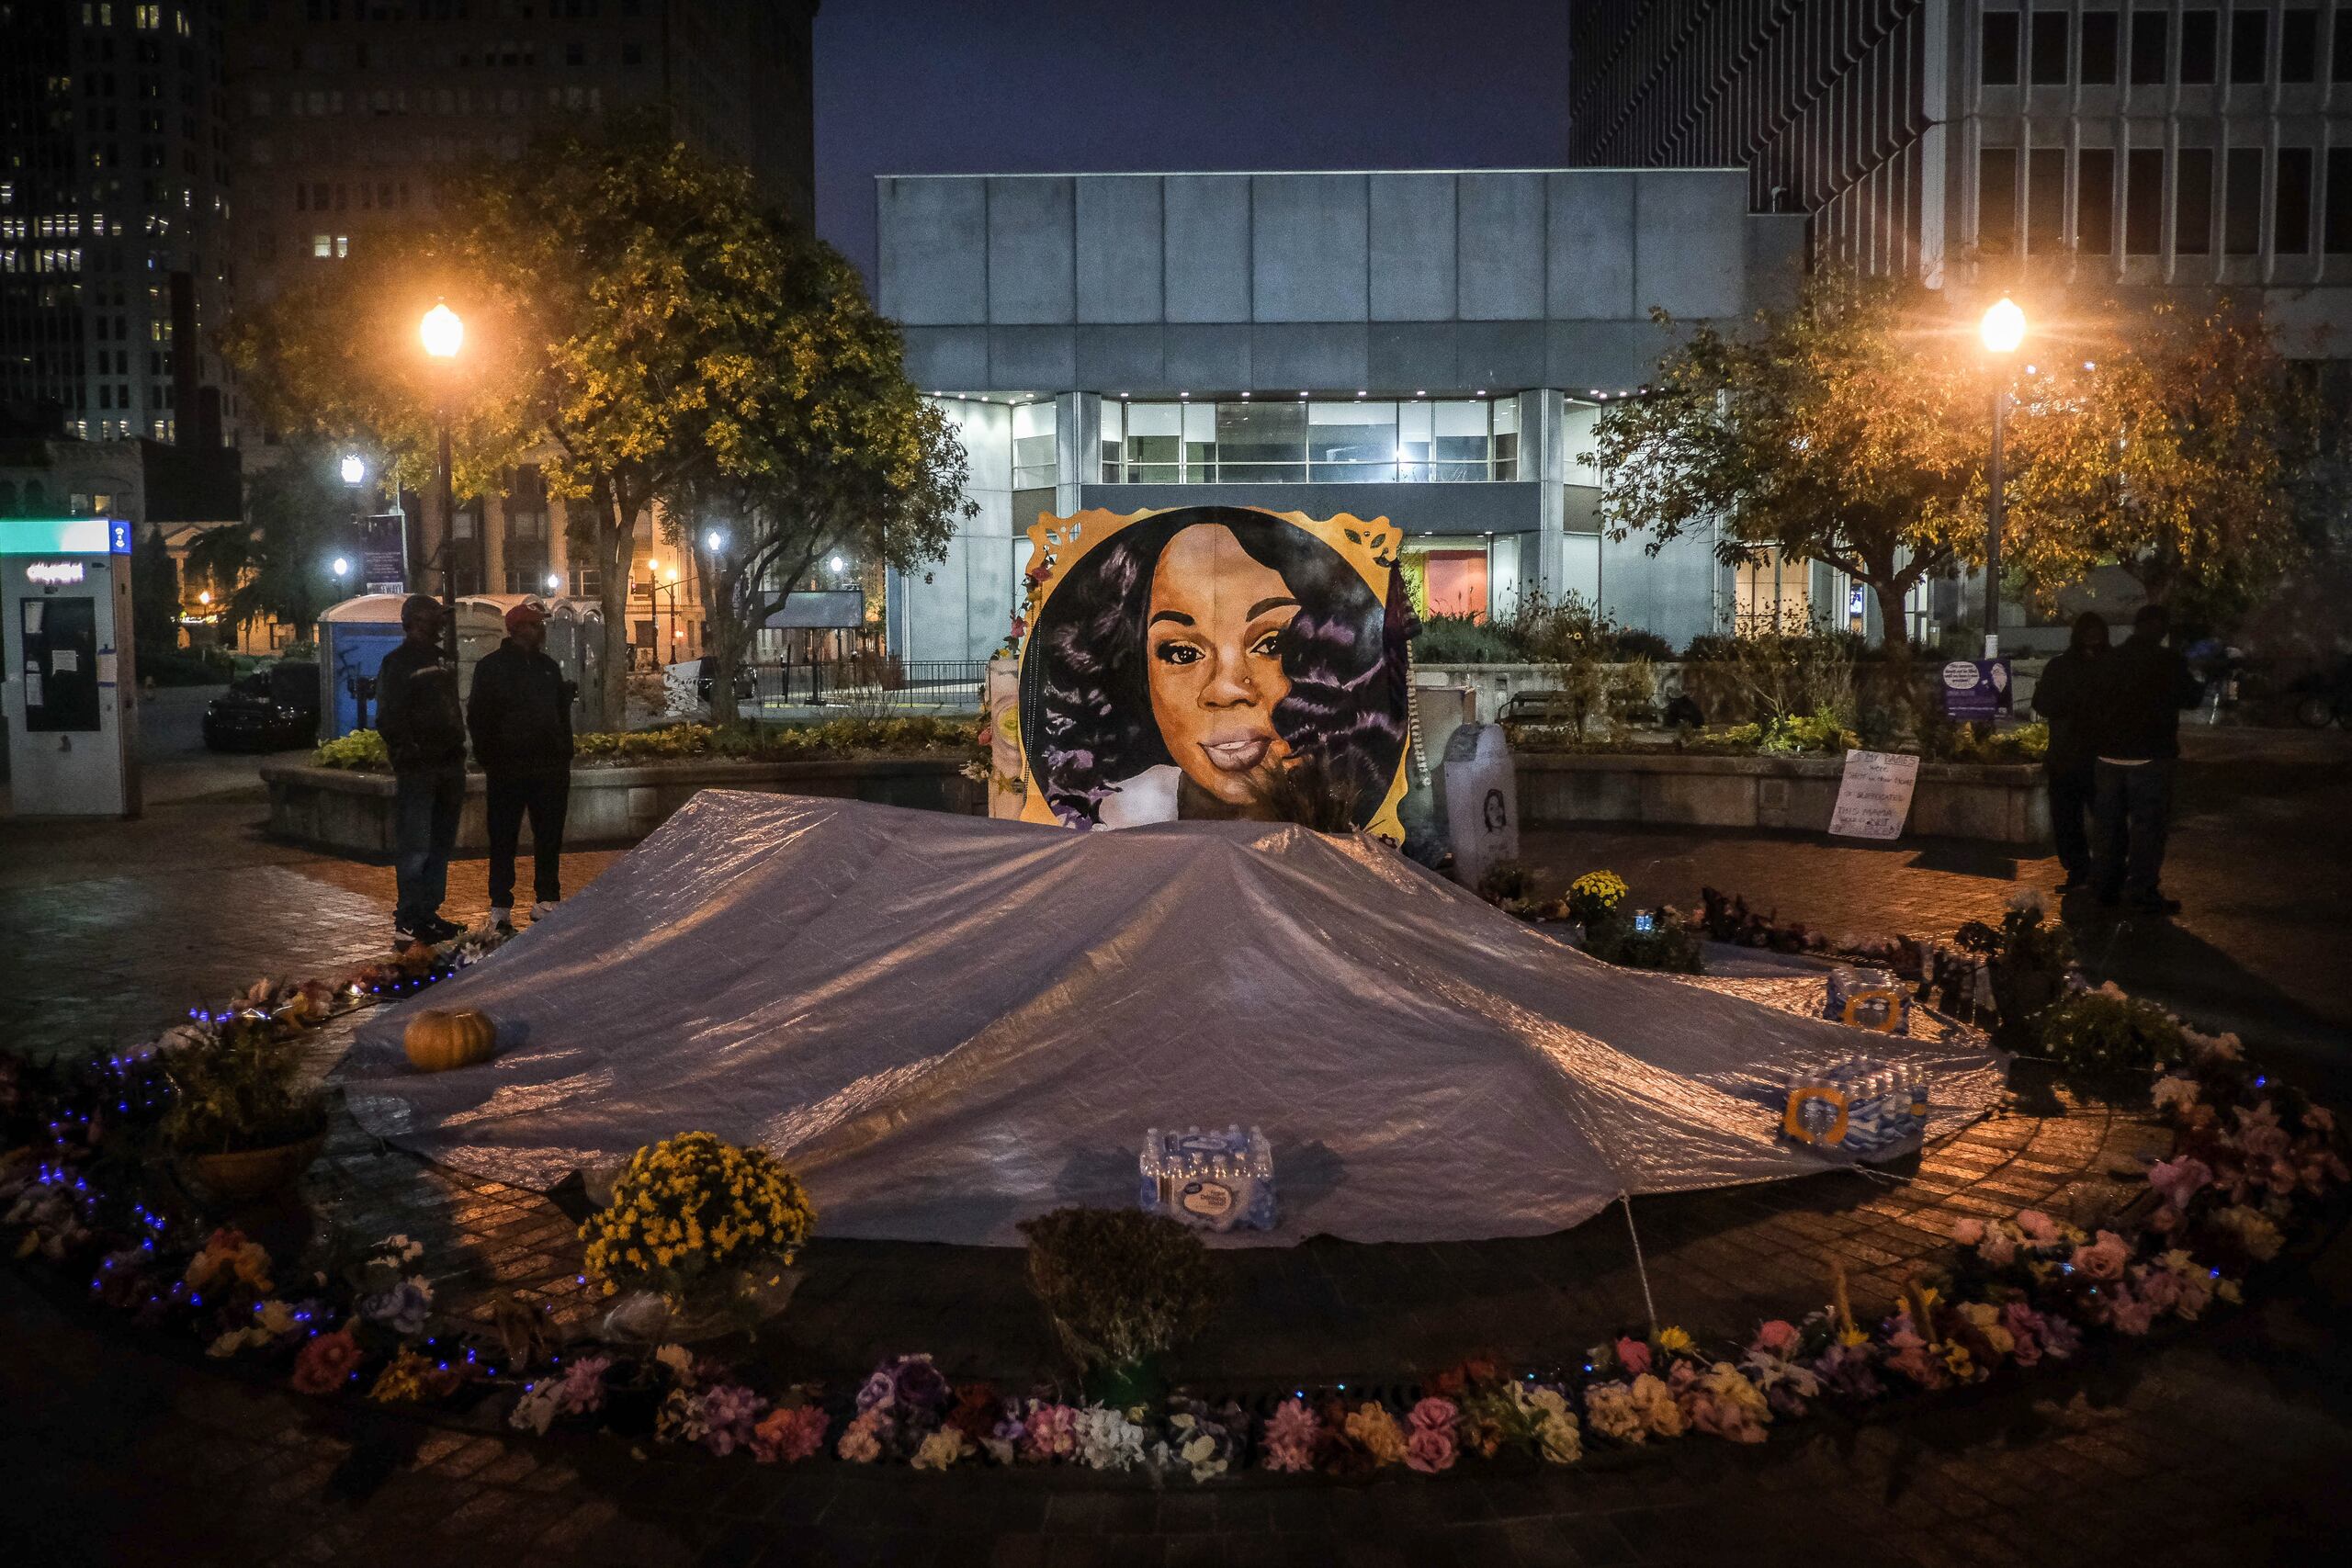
x: 2220, y: 1444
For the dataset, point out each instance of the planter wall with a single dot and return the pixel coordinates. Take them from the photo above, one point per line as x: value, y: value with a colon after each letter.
x: 2000, y: 804
x: 352, y: 812
x: 1493, y: 686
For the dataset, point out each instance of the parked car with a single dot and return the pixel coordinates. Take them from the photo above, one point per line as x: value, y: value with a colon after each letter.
x: 2325, y: 697
x: 273, y: 709
x: 746, y: 683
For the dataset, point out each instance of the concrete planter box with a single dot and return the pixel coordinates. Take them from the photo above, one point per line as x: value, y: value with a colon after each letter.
x: 352, y: 812
x: 1999, y: 804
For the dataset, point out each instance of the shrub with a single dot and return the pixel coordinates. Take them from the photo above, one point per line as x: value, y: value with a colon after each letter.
x: 187, y: 667
x: 691, y: 1206
x: 1631, y: 642
x: 1121, y: 1286
x: 362, y: 748
x: 2028, y: 956
x: 1461, y: 640
x: 1619, y: 939
x: 2104, y: 1034
x: 239, y: 1084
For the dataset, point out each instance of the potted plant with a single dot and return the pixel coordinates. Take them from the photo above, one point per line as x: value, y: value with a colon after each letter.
x: 247, y: 1121
x: 2028, y: 956
x: 697, y: 1240
x: 1123, y: 1288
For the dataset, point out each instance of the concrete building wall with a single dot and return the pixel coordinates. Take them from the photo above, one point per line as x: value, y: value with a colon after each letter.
x: 1531, y: 286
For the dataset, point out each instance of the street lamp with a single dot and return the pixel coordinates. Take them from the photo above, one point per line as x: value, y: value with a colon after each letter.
x: 354, y: 470
x: 443, y: 334
x: 2003, y: 329
x: 555, y: 580
x: 341, y: 567
x: 715, y: 541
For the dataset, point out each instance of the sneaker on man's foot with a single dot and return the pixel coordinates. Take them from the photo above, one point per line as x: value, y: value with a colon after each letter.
x: 501, y: 920
x: 542, y: 909
x: 437, y: 930
x: 404, y: 937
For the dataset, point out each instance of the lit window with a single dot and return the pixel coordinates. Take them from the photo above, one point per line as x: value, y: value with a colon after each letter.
x: 322, y: 245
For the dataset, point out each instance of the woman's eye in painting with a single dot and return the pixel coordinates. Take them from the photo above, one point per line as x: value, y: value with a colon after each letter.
x: 1179, y: 653
x: 1269, y: 644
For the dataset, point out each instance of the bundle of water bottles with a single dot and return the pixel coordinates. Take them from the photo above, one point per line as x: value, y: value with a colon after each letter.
x: 1217, y: 1180
x: 1862, y: 1109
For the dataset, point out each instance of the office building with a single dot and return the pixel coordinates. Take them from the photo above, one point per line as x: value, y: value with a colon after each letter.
x: 1432, y: 347
x: 349, y: 113
x: 2093, y: 144
x: 113, y: 206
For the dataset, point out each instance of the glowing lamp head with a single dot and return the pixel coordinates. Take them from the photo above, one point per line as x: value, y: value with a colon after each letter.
x: 554, y: 581
x: 444, y: 332
x: 205, y: 597
x: 715, y: 540
x: 2003, y: 327
x: 672, y: 573
x: 836, y: 563
x: 354, y: 469
x: 341, y: 567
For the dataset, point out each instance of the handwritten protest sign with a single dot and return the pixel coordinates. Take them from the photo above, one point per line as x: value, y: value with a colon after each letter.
x: 1874, y: 795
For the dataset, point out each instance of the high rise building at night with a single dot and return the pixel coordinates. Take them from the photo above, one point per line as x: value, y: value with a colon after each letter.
x: 348, y: 114
x: 2125, y: 143
x: 114, y: 207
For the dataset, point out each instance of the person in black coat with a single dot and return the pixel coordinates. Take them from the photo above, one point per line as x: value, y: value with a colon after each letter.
x: 521, y: 717
x: 2135, y: 729
x: 423, y: 727
x: 2063, y: 698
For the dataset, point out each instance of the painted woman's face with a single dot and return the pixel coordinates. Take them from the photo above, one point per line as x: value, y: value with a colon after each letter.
x: 1214, y: 645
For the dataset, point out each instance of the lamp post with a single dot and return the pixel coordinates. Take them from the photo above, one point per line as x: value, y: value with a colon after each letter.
x: 2001, y: 330
x: 444, y: 335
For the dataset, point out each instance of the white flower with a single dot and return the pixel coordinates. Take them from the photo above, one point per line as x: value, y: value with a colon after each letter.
x: 536, y: 1410
x: 1107, y: 1440
x: 2173, y: 1090
x: 2031, y: 901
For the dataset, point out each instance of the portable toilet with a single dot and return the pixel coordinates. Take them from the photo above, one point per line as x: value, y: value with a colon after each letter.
x: 355, y: 635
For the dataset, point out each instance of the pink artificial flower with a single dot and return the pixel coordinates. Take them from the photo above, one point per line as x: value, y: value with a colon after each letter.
x: 2127, y: 1312
x: 1778, y: 1336
x: 2177, y: 1181
x: 327, y: 1363
x: 2039, y: 1227
x: 1291, y: 1435
x: 1434, y: 1414
x: 1998, y: 1248
x: 1635, y: 1356
x: 1050, y: 1433
x: 1968, y: 1233
x: 789, y: 1436
x: 2104, y: 1259
x: 2060, y: 1338
x: 1429, y: 1448
x: 2026, y: 1327
x: 2319, y: 1119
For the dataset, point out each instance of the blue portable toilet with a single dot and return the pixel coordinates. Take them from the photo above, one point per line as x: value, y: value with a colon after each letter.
x: 355, y: 635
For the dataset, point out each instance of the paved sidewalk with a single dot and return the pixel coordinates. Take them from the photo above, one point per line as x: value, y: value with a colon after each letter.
x: 2224, y: 1447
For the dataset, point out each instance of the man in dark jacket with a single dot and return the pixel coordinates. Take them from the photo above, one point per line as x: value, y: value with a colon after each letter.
x: 2063, y: 698
x: 423, y: 727
x: 2135, y: 723
x: 521, y: 719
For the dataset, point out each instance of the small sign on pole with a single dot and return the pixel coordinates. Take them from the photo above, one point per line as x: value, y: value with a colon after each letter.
x: 1874, y: 795
x: 1976, y: 688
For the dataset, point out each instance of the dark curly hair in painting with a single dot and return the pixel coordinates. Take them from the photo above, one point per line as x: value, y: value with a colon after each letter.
x: 1086, y: 717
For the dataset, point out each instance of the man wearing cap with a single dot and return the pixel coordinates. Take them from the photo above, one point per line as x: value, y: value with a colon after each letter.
x: 521, y: 720
x: 423, y: 728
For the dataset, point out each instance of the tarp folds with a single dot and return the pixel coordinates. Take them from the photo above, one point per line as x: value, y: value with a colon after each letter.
x: 949, y: 1024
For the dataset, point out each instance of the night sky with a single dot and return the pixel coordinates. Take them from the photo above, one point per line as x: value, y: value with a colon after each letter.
x: 1020, y: 86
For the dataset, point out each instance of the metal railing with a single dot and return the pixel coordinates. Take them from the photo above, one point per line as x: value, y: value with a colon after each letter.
x: 884, y: 683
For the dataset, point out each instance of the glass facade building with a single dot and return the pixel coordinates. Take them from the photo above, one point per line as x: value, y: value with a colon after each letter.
x: 1426, y: 346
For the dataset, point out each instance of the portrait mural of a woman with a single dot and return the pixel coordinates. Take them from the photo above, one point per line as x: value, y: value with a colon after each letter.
x: 1182, y: 659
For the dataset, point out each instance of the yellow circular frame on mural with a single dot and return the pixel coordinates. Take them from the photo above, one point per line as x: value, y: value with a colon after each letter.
x: 1060, y: 545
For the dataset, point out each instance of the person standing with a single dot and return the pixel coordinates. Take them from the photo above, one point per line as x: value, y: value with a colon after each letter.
x: 423, y: 727
x: 2136, y: 704
x: 521, y: 720
x: 2064, y: 699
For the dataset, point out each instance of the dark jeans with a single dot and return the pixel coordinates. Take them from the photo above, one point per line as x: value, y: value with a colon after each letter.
x: 2073, y: 795
x: 544, y: 797
x: 426, y: 807
x: 2134, y: 804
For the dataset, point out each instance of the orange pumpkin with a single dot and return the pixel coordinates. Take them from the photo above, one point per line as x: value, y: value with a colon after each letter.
x: 437, y: 1041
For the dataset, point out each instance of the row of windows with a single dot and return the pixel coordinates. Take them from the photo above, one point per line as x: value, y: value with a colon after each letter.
x: 426, y: 10
x: 1281, y: 441
x: 318, y: 104
x: 318, y: 196
x: 2143, y: 170
x: 2051, y: 52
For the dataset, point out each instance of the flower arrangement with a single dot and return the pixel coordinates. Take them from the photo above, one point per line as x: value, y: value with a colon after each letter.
x: 239, y: 1082
x: 1595, y: 896
x: 690, y: 1207
x: 2104, y: 1035
x: 1122, y: 1287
